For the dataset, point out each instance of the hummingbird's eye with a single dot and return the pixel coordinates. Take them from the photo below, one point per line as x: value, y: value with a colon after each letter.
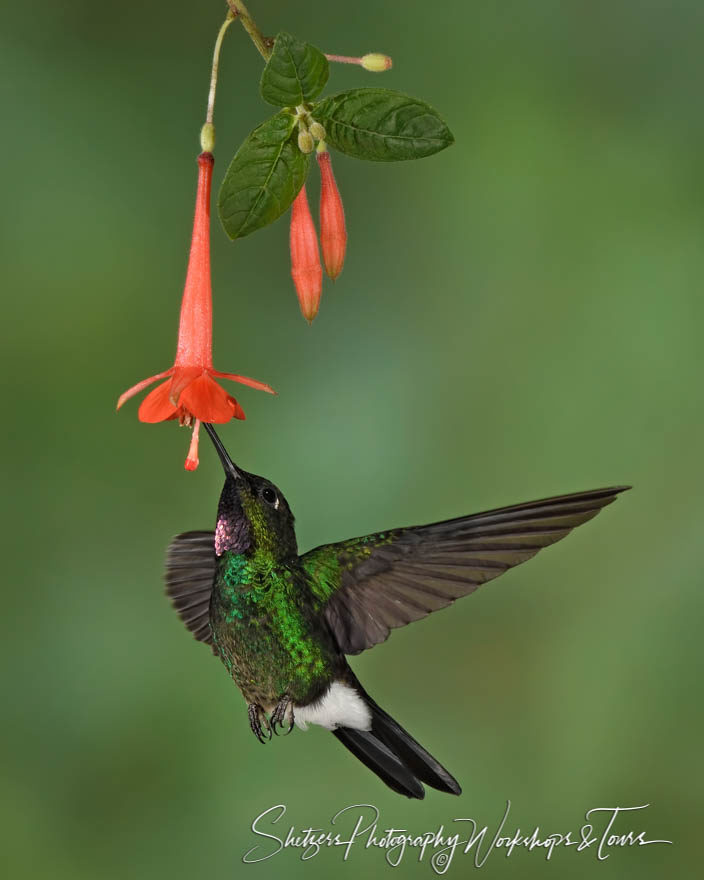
x: 269, y: 495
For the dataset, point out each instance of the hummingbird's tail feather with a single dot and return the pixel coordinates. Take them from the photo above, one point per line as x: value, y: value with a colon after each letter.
x: 370, y: 750
x: 394, y: 755
x: 410, y: 752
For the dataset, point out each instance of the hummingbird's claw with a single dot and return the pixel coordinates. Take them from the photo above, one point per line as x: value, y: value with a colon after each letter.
x: 256, y: 717
x: 289, y: 718
x: 282, y: 712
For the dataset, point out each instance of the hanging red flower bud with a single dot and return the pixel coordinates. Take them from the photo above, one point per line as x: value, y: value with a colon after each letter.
x: 333, y: 234
x: 190, y: 393
x: 305, y: 259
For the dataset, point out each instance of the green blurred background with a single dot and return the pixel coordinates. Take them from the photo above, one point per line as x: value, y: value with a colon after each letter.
x: 519, y: 316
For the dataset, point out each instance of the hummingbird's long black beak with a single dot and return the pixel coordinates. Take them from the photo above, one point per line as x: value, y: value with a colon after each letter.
x: 222, y: 452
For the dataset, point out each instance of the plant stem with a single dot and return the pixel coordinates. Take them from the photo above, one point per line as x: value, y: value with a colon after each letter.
x: 343, y: 59
x: 214, y: 72
x: 238, y: 8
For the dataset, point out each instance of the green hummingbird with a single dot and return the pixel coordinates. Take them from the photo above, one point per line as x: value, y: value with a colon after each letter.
x: 283, y: 623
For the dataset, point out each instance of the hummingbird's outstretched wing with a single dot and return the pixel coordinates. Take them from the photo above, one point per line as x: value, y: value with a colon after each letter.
x: 190, y: 570
x: 367, y: 586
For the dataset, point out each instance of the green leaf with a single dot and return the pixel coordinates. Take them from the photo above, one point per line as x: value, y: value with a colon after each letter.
x: 295, y: 74
x: 382, y: 125
x: 263, y: 179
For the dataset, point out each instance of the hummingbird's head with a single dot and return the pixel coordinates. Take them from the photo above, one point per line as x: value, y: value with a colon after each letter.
x: 253, y: 513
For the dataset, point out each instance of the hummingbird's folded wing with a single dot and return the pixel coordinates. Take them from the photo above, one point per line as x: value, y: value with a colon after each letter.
x: 190, y: 570
x: 367, y: 586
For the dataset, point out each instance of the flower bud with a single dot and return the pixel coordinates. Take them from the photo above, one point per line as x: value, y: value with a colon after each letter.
x: 306, y: 271
x: 333, y: 234
x: 305, y: 141
x: 207, y: 137
x: 376, y: 62
x: 317, y: 130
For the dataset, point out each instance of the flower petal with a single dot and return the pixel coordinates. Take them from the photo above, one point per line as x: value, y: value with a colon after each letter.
x: 207, y: 401
x: 239, y: 412
x: 140, y: 386
x: 253, y: 383
x: 156, y: 406
x: 183, y: 376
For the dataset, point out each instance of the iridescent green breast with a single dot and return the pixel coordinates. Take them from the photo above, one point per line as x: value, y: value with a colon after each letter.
x: 266, y: 630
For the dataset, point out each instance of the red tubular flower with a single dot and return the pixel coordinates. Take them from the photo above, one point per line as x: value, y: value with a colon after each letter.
x: 305, y: 259
x: 333, y: 234
x: 191, y: 394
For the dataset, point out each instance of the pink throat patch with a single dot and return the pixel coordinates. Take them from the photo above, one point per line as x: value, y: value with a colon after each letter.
x: 224, y: 536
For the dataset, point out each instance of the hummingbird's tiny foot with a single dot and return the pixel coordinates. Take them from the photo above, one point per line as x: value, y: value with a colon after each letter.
x: 256, y: 716
x: 289, y: 717
x: 280, y: 713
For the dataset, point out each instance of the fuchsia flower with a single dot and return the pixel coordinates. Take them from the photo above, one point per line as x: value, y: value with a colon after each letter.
x: 306, y: 271
x: 191, y: 393
x: 333, y: 234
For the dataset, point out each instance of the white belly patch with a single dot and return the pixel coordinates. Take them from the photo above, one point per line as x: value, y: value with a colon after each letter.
x: 341, y: 706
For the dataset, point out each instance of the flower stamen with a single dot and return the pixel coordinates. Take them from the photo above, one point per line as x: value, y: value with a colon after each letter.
x: 191, y: 462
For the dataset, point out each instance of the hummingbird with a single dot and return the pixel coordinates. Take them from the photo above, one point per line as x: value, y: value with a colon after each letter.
x: 283, y: 624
